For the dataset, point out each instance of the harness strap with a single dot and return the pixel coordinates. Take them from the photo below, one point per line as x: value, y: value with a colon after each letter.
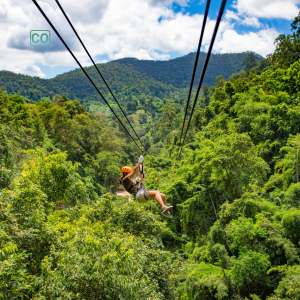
x: 146, y: 198
x: 133, y: 185
x: 142, y: 170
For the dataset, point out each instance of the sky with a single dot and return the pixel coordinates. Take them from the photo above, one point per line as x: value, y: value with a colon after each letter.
x: 144, y: 29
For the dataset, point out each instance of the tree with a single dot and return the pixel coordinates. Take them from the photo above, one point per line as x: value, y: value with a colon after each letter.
x: 250, y: 273
x: 250, y: 61
x: 229, y: 89
x: 73, y: 108
x: 12, y: 110
x: 289, y: 286
x: 231, y: 163
x: 107, y: 170
x: 206, y: 94
x: 219, y: 94
x: 6, y: 161
x: 60, y: 100
x: 56, y: 177
x: 288, y: 46
x: 106, y: 252
x: 134, y: 105
x: 287, y: 168
x: 168, y: 115
x: 142, y: 101
x: 220, y: 81
x: 129, y: 106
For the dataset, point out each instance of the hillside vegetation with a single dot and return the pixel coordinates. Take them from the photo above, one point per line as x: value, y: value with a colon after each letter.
x: 129, y: 79
x: 235, y: 193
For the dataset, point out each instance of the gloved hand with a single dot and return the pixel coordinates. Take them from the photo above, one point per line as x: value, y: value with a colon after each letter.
x: 141, y: 159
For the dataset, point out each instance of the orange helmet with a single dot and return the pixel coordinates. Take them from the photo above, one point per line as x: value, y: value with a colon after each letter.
x: 126, y: 170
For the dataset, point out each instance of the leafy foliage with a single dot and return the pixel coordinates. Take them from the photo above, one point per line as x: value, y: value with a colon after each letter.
x: 249, y: 62
x: 6, y: 161
x: 249, y: 272
x: 236, y: 188
x: 287, y: 46
x: 42, y: 246
x: 129, y: 78
x: 235, y: 191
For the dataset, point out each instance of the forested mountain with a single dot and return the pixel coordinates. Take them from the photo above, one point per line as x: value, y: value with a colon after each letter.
x: 128, y: 78
x: 235, y: 193
x: 178, y: 71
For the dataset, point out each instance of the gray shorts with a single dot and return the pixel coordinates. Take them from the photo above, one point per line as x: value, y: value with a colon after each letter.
x: 143, y: 195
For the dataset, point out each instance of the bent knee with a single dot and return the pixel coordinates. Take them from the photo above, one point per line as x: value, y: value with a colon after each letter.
x: 155, y: 192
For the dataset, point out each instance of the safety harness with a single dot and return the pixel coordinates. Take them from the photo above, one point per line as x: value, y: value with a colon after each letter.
x: 138, y: 185
x: 134, y: 185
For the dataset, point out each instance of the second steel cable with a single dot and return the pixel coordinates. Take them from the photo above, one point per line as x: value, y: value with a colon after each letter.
x: 204, y: 69
x: 195, y: 65
x: 96, y: 67
x: 62, y: 40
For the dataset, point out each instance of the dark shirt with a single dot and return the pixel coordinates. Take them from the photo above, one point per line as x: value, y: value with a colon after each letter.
x: 129, y: 185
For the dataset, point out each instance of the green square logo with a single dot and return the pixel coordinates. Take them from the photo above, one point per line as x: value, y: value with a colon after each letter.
x: 40, y: 38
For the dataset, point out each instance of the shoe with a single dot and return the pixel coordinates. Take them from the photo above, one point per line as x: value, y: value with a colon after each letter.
x: 166, y: 209
x: 169, y: 215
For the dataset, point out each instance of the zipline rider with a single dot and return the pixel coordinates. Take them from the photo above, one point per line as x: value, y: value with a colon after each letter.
x: 139, y: 191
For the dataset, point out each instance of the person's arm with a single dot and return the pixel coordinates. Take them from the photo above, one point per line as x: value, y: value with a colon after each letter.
x: 141, y: 177
x: 136, y: 168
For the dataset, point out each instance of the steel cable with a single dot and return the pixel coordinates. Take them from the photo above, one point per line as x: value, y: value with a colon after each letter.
x: 195, y: 65
x: 204, y: 69
x: 96, y: 67
x: 62, y: 40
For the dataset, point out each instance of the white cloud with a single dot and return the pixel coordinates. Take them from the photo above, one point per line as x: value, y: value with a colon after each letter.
x: 29, y: 18
x: 167, y: 2
x: 101, y: 61
x: 260, y: 42
x: 87, y: 12
x: 242, y: 19
x: 118, y: 29
x: 282, y: 9
x: 251, y: 21
x: 147, y: 54
x: 231, y: 15
x: 249, y: 12
x: 122, y: 29
x: 33, y: 71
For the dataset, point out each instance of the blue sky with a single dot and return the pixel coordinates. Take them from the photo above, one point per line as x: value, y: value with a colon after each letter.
x: 194, y: 7
x: 145, y: 29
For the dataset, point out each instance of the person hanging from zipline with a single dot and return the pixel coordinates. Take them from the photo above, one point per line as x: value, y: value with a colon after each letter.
x: 139, y: 191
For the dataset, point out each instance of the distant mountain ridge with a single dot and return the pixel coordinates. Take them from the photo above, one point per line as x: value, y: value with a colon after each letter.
x: 128, y: 78
x: 178, y: 71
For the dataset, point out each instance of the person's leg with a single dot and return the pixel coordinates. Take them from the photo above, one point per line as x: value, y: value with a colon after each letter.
x: 158, y: 196
x: 164, y: 198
